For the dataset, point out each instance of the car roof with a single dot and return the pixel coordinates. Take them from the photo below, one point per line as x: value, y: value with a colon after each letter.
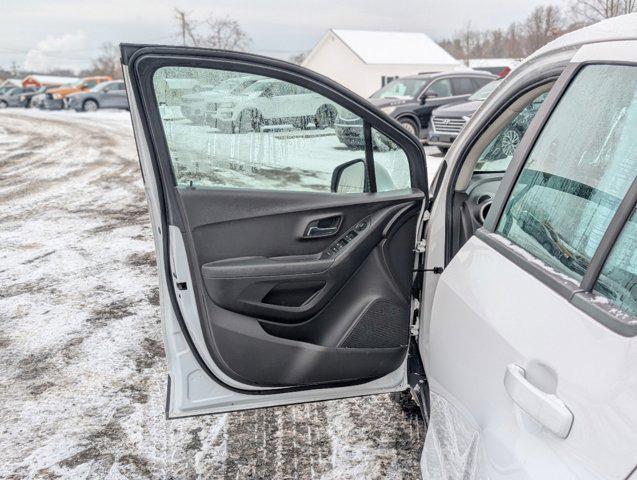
x: 458, y: 73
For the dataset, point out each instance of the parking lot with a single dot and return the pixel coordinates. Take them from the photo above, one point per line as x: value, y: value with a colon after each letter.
x: 83, y: 381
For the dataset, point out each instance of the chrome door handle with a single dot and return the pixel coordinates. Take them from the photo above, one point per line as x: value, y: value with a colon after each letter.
x: 314, y: 231
x: 545, y: 408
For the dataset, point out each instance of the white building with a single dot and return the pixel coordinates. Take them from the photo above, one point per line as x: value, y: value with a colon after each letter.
x: 364, y: 61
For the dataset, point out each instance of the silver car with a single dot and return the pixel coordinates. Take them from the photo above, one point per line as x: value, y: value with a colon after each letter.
x: 104, y: 95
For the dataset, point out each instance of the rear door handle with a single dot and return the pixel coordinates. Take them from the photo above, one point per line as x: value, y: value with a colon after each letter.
x: 545, y: 408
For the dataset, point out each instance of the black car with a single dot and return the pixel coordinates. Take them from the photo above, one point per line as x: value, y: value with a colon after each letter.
x: 447, y: 121
x: 412, y: 99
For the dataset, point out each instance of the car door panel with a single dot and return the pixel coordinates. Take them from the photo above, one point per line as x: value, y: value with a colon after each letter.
x: 260, y: 301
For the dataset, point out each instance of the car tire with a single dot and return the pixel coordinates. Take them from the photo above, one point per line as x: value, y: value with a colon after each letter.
x: 90, y: 106
x: 443, y: 150
x: 409, y: 125
x: 249, y: 121
x: 3, y: 104
x: 325, y: 116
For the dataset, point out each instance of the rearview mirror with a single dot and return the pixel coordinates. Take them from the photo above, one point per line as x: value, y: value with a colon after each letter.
x: 350, y: 177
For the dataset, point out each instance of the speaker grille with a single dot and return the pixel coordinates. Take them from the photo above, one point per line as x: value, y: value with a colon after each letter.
x: 382, y: 325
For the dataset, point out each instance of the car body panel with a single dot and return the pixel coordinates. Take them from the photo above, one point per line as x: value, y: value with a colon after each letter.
x: 492, y: 313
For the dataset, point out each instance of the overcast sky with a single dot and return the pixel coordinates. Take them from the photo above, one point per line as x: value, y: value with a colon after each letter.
x: 44, y: 34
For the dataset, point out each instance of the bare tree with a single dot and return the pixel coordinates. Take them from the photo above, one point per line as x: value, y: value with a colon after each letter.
x: 596, y: 10
x: 224, y: 33
x: 543, y: 25
x: 106, y: 63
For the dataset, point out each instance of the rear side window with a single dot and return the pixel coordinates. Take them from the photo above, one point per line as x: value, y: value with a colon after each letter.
x: 578, y: 171
x: 463, y: 86
x: 272, y: 135
x: 618, y: 279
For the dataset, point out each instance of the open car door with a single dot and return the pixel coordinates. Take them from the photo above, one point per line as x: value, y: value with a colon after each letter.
x: 285, y: 257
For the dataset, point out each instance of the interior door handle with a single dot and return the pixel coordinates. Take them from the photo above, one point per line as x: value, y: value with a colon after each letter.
x: 546, y: 408
x: 325, y: 227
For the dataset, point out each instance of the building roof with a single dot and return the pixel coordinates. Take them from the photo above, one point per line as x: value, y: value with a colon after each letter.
x: 51, y: 79
x: 376, y: 47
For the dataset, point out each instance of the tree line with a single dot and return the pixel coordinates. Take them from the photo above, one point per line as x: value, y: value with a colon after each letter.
x: 545, y: 23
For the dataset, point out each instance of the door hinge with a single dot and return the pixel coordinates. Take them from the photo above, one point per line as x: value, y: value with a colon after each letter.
x: 182, y: 285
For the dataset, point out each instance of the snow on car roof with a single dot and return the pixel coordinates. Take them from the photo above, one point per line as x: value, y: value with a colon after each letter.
x: 395, y: 47
x: 623, y: 27
x: 52, y: 79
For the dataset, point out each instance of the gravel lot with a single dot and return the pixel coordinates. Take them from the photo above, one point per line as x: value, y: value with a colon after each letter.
x: 82, y: 386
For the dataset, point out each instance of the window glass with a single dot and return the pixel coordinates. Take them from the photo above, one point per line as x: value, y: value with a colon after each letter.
x: 498, y: 154
x: 269, y: 135
x: 390, y: 163
x: 401, y: 88
x: 618, y: 279
x: 578, y: 171
x: 462, y: 86
x: 440, y: 88
x: 90, y: 83
x: 481, y: 82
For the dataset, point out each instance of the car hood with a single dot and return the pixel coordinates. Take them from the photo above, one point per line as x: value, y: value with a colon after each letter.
x: 391, y: 102
x: 464, y: 109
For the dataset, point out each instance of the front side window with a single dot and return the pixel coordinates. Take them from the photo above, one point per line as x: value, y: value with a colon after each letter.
x: 578, y: 171
x: 618, y: 279
x: 498, y: 154
x: 271, y: 135
x: 401, y: 88
x: 440, y: 88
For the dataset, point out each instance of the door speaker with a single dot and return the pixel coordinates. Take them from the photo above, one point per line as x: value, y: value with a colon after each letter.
x: 383, y: 325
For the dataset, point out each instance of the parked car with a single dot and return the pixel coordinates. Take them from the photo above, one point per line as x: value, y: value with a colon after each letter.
x: 54, y: 98
x: 270, y: 102
x: 195, y: 106
x: 12, y: 97
x: 447, y: 121
x: 504, y: 298
x: 104, y: 95
x: 412, y: 99
x: 26, y: 97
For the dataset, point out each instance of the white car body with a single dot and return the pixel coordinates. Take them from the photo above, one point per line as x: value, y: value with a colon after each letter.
x: 525, y: 382
x: 275, y: 108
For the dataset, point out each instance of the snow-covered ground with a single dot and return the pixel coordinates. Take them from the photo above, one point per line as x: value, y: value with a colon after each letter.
x: 82, y: 383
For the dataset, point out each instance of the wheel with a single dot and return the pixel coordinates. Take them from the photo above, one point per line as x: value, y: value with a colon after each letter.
x: 249, y: 121
x: 325, y: 116
x: 3, y: 104
x: 509, y: 142
x: 409, y: 125
x: 443, y: 150
x: 90, y: 106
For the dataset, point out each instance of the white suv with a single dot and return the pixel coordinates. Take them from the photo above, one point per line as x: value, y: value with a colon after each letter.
x: 295, y: 270
x: 272, y: 102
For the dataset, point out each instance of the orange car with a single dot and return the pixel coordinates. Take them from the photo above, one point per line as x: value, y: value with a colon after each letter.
x: 55, y: 97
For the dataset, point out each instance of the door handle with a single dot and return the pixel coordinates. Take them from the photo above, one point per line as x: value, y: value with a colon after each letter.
x: 324, y: 227
x: 545, y: 408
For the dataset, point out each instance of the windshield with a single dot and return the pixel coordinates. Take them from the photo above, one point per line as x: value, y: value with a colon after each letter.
x: 484, y: 92
x: 401, y: 88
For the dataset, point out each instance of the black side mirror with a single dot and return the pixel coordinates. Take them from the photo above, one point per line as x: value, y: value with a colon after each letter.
x: 350, y: 177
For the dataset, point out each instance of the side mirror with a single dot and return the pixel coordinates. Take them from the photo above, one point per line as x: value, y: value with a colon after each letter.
x: 350, y: 177
x: 427, y: 96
